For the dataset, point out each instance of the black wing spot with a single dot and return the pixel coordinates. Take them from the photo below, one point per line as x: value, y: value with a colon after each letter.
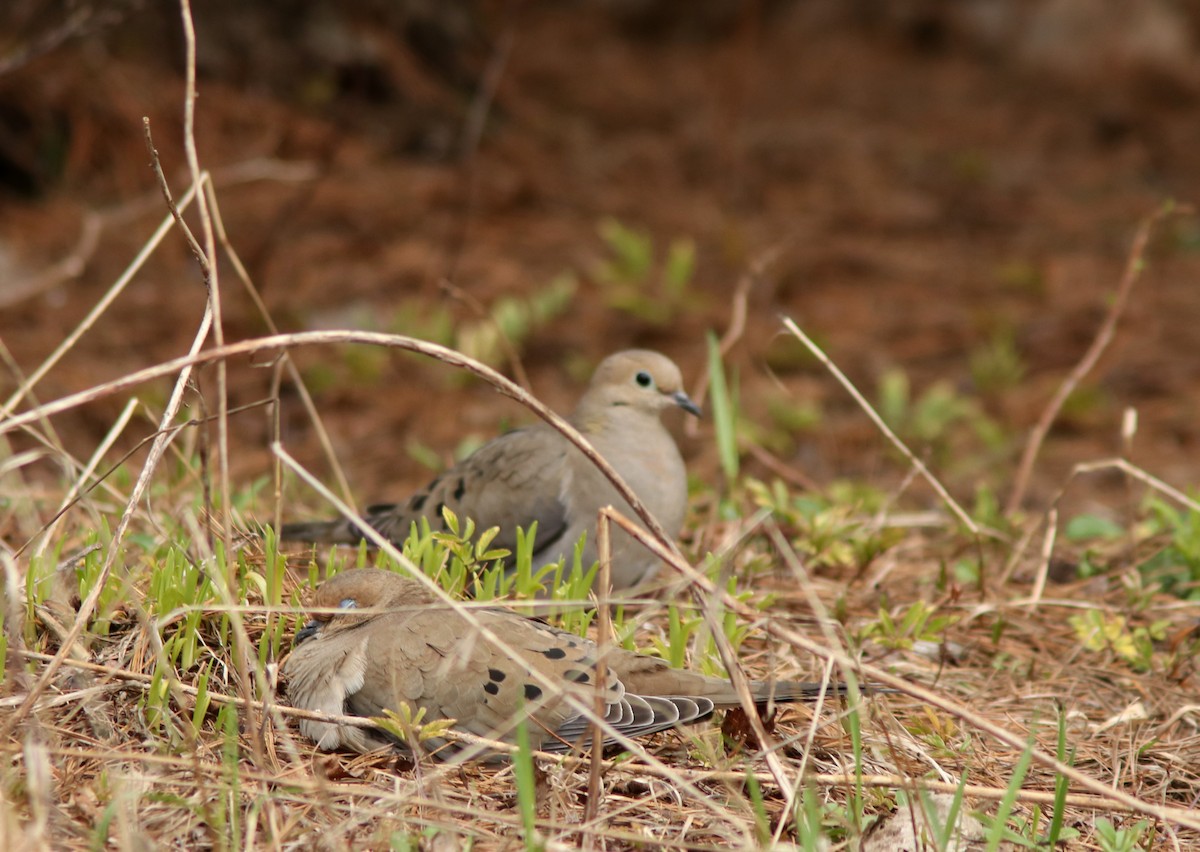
x: 460, y: 489
x: 532, y: 693
x: 496, y: 675
x: 554, y: 653
x: 577, y: 675
x: 417, y: 502
x: 491, y: 688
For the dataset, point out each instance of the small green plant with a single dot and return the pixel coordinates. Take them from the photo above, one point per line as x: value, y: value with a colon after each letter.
x: 754, y: 795
x: 940, y: 420
x: 996, y: 366
x: 455, y: 557
x: 488, y: 336
x: 1099, y: 537
x: 514, y: 319
x: 919, y: 623
x: 790, y: 416
x: 689, y: 636
x: 411, y: 728
x: 680, y: 630
x: 179, y: 590
x: 809, y: 820
x: 229, y: 817
x: 460, y: 561
x: 947, y: 739
x: 1099, y: 631
x: 997, y: 827
x: 636, y: 283
x: 724, y: 412
x: 1176, y: 566
x: 1125, y: 839
x: 831, y: 533
x: 427, y: 457
x: 1022, y: 277
x: 1057, y: 831
x: 852, y: 725
x: 949, y: 827
x: 987, y: 510
x: 526, y: 788
x: 525, y: 580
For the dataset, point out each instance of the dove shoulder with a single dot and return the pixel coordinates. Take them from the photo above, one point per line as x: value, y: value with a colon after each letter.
x: 511, y: 481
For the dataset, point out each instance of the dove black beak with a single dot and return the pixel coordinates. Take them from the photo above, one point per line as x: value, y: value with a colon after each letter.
x: 685, y: 402
x: 306, y: 632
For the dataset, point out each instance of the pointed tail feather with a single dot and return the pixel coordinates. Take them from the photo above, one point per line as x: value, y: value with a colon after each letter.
x: 324, y: 532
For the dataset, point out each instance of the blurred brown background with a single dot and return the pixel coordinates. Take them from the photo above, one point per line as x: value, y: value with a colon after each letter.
x: 942, y: 193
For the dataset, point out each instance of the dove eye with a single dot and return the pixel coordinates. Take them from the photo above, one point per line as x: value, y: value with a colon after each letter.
x: 348, y: 603
x: 643, y: 379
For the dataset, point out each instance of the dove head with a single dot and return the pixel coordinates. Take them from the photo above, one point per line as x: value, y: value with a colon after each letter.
x: 637, y: 379
x: 358, y: 589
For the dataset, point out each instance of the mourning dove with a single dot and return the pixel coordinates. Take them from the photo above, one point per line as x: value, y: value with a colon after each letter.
x: 426, y: 655
x: 535, y: 474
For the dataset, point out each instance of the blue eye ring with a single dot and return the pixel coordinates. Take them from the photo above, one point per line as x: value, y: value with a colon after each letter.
x: 644, y: 379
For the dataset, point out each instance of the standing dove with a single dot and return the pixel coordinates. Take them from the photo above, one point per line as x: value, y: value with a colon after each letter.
x: 414, y: 650
x: 535, y: 474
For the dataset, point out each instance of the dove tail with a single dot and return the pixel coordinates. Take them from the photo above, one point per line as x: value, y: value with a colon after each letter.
x: 788, y: 691
x: 324, y: 532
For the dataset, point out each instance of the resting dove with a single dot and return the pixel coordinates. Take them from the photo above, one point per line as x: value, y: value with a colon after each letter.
x: 426, y: 655
x: 535, y: 474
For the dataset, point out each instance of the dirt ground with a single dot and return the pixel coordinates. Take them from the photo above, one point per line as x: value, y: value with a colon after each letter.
x: 920, y: 184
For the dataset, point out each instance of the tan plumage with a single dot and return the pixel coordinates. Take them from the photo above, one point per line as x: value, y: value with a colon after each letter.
x: 535, y: 474
x: 426, y: 655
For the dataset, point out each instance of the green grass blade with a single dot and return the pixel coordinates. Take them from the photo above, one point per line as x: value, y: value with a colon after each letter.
x: 723, y: 412
x: 998, y: 828
x: 526, y: 788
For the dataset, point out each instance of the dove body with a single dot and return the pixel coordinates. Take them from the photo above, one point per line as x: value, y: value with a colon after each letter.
x: 412, y: 649
x: 535, y: 474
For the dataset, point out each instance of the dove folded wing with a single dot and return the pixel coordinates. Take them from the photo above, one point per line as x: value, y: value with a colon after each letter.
x: 391, y: 643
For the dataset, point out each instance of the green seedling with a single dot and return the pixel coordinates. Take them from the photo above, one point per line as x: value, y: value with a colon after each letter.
x: 411, y: 728
x: 1104, y: 632
x: 997, y: 827
x: 526, y: 788
x: 1128, y: 838
x: 1175, y: 566
x: 512, y: 320
x: 947, y: 831
x: 758, y: 809
x: 809, y: 820
x: 940, y: 422
x: 919, y: 622
x: 633, y: 280
x: 830, y: 533
x: 1057, y: 830
x: 429, y: 458
x: 942, y: 734
x: 724, y: 413
x: 997, y: 366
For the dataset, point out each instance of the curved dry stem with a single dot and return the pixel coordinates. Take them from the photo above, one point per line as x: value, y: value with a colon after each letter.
x: 1104, y: 335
